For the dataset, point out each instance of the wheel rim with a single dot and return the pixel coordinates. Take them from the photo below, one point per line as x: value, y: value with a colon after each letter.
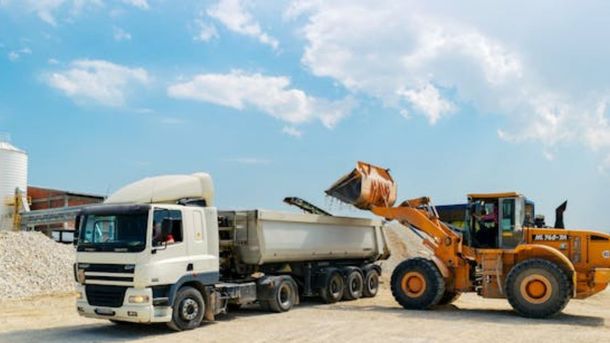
x: 284, y: 296
x: 372, y: 283
x: 335, y: 287
x: 355, y: 284
x: 189, y: 309
x: 536, y: 288
x: 413, y: 284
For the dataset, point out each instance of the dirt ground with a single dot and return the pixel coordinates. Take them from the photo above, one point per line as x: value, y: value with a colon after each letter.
x: 471, y: 319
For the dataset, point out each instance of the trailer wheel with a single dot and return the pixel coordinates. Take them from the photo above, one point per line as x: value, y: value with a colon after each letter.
x: 538, y: 288
x: 332, y: 291
x: 417, y: 284
x: 354, y: 284
x: 188, y: 309
x: 371, y: 283
x: 284, y: 296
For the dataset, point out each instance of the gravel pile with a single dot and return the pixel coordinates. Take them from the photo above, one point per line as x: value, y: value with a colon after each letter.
x: 403, y: 243
x: 32, y: 264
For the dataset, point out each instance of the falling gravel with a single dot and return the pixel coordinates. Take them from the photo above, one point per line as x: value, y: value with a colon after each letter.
x: 32, y: 264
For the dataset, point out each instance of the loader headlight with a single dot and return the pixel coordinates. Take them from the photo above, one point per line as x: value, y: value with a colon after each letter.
x: 138, y: 299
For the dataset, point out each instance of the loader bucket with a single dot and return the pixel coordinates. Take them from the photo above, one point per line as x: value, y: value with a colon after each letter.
x: 365, y: 187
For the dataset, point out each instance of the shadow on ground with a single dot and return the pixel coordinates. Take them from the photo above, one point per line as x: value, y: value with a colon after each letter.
x: 452, y: 313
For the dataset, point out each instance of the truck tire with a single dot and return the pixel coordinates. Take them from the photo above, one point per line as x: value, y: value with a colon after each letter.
x: 332, y: 291
x: 538, y: 288
x: 285, y: 295
x: 417, y: 284
x: 188, y: 309
x: 449, y: 297
x: 371, y: 283
x: 354, y: 284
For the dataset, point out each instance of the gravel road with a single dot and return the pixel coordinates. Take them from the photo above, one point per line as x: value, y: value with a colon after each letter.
x: 472, y: 319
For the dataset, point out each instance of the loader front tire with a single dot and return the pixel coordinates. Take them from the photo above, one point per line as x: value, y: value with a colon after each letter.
x: 417, y: 284
x: 538, y: 288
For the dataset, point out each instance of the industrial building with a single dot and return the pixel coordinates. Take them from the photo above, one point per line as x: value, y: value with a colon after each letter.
x: 48, y: 210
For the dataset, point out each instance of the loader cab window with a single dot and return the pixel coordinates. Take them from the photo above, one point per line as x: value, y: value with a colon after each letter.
x: 507, y: 222
x: 483, y: 223
x: 167, y: 227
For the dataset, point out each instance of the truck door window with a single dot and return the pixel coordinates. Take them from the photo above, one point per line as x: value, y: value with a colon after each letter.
x: 173, y: 230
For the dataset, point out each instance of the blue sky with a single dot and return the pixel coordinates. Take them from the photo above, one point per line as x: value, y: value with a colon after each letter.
x: 281, y: 98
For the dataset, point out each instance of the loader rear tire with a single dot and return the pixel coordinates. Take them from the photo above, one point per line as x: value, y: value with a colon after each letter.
x: 417, y: 284
x: 449, y: 297
x: 538, y: 288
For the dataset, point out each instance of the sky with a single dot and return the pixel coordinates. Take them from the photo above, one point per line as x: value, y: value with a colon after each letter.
x: 281, y: 98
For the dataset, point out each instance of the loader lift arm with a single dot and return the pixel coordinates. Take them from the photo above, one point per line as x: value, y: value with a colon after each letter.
x: 419, y: 214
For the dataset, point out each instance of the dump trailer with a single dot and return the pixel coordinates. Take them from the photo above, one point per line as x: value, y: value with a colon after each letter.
x: 158, y: 251
x: 497, y: 253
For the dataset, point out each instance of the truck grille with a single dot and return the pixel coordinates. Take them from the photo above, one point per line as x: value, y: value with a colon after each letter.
x: 109, y: 296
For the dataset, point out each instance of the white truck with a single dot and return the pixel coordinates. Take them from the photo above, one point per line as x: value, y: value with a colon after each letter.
x: 158, y: 251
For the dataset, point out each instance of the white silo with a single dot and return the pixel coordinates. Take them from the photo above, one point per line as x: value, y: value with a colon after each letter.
x: 13, y: 175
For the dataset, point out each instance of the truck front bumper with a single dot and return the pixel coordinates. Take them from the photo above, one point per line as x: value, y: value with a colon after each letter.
x: 135, y: 313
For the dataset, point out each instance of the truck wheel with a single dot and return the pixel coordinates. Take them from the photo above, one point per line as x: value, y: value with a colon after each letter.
x: 332, y: 291
x: 417, y: 284
x: 354, y: 284
x: 538, y: 288
x: 449, y: 297
x: 284, y: 296
x: 188, y: 309
x: 371, y: 283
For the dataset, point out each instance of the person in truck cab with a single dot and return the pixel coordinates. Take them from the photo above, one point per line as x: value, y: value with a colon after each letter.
x: 159, y: 238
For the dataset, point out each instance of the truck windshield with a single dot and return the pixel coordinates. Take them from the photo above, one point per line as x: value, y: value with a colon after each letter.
x: 118, y: 233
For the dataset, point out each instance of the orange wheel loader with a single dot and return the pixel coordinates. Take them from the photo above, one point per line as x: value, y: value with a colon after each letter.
x: 498, y: 253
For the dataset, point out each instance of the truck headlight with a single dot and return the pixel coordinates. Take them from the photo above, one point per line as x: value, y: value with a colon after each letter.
x: 79, y: 295
x: 138, y: 299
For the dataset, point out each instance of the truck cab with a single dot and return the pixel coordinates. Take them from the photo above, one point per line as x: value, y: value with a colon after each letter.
x: 144, y: 248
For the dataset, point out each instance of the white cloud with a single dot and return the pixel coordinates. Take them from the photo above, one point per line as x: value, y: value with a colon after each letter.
x: 270, y: 94
x: 141, y: 4
x: 428, y: 100
x: 52, y: 61
x: 604, y: 166
x: 172, y: 121
x: 235, y: 16
x: 248, y: 160
x: 15, y: 55
x: 100, y: 81
x: 205, y: 31
x: 417, y: 61
x: 46, y: 9
x: 292, y: 131
x: 121, y: 35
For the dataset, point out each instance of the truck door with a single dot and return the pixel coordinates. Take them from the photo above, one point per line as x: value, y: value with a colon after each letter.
x: 170, y: 257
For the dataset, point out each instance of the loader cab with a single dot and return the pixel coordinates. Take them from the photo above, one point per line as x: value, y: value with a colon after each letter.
x: 496, y: 220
